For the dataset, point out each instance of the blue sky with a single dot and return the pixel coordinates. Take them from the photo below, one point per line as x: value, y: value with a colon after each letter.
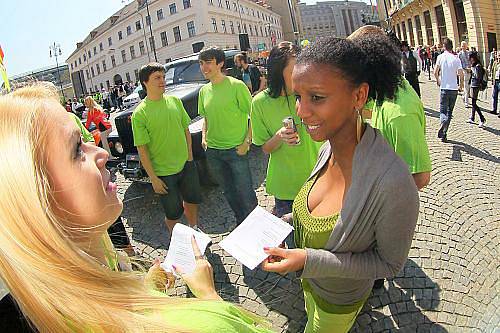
x: 28, y: 27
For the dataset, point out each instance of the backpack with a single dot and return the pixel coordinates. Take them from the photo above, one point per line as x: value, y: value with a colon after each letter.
x: 483, y: 78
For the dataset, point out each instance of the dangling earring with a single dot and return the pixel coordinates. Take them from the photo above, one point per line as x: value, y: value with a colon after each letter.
x: 359, y: 124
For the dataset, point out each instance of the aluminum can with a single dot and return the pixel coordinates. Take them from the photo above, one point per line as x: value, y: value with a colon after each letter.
x: 289, y: 123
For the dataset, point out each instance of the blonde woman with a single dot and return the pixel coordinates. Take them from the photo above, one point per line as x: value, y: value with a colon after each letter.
x: 97, y: 116
x: 56, y: 202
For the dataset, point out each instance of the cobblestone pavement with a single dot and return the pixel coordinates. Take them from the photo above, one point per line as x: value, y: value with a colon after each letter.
x: 450, y: 281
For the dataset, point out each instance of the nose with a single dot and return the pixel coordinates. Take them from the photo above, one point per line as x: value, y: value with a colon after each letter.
x: 303, y: 110
x: 101, y: 156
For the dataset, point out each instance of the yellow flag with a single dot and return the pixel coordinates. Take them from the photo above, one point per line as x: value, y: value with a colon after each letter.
x: 5, y: 78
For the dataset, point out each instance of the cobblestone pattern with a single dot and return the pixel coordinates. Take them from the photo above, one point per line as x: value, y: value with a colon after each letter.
x: 450, y: 281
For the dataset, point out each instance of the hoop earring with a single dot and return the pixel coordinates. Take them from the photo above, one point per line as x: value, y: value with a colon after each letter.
x: 359, y: 125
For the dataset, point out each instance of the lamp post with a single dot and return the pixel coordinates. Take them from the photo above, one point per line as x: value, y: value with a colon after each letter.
x: 55, y: 50
x: 150, y: 23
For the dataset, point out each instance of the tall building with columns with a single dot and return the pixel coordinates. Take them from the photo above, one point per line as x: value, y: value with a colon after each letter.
x: 427, y: 22
x: 114, y: 51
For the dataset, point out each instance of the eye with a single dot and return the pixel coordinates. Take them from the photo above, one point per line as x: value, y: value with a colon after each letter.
x: 316, y: 98
x: 297, y: 97
x: 78, y: 150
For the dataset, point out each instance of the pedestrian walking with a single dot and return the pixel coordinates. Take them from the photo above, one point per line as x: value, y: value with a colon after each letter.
x: 292, y: 152
x: 463, y: 55
x: 410, y: 66
x: 495, y: 80
x: 477, y: 79
x: 250, y: 74
x: 355, y: 216
x: 225, y: 104
x: 160, y: 125
x: 448, y: 66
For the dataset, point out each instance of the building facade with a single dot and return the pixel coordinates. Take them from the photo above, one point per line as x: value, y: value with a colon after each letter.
x: 59, y: 76
x: 290, y: 18
x: 333, y: 18
x: 428, y: 22
x: 115, y: 51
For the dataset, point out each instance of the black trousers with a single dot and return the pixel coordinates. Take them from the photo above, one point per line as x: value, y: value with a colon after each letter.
x: 413, y: 80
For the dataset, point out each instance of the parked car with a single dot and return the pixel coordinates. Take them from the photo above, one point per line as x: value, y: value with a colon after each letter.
x: 183, y: 79
x: 134, y: 98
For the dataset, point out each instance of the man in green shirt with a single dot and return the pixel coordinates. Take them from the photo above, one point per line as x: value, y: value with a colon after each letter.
x: 161, y: 134
x: 226, y: 136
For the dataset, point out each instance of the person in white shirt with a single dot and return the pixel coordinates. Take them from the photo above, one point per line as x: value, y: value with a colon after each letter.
x: 448, y: 66
x: 464, y: 59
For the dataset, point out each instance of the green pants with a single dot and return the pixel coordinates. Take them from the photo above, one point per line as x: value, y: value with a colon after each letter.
x: 339, y: 320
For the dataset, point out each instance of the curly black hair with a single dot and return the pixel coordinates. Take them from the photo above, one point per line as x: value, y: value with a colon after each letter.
x: 359, y: 63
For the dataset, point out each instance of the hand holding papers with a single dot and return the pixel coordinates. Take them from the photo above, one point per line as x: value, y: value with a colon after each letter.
x: 260, y: 229
x: 180, y: 253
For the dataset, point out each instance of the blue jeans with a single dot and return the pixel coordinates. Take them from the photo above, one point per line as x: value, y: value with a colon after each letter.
x: 496, y: 90
x: 447, y: 103
x: 232, y: 172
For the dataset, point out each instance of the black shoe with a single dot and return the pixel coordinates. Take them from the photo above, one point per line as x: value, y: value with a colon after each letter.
x: 379, y: 283
x: 440, y: 133
x: 443, y: 138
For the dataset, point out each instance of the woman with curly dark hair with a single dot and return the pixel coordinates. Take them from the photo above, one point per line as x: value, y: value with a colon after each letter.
x: 478, y: 73
x: 269, y: 108
x: 355, y: 216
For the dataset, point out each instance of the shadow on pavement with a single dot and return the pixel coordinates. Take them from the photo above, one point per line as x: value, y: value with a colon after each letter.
x: 459, y: 147
x: 431, y: 113
x: 409, y: 289
x: 491, y: 130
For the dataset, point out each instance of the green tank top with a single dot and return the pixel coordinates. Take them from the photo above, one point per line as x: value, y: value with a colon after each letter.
x: 314, y: 232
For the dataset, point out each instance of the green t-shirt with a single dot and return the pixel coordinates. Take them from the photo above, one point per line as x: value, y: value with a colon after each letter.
x: 289, y: 166
x: 86, y: 135
x: 402, y: 122
x: 226, y: 107
x: 209, y: 317
x: 161, y: 126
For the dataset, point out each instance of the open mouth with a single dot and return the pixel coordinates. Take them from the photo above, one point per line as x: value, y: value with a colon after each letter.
x: 108, y: 184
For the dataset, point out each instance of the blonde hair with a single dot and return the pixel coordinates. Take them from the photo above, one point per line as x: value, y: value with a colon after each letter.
x: 58, y: 286
x: 95, y: 106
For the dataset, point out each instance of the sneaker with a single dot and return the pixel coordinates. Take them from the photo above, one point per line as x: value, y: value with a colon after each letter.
x: 481, y: 124
x: 470, y: 121
x: 440, y: 133
x: 379, y: 283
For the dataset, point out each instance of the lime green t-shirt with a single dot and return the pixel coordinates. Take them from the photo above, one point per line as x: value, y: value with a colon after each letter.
x: 226, y: 107
x: 289, y: 166
x: 86, y: 135
x: 402, y: 122
x: 161, y: 126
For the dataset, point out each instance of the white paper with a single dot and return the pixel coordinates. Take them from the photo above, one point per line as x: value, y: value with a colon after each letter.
x: 260, y: 229
x: 180, y: 252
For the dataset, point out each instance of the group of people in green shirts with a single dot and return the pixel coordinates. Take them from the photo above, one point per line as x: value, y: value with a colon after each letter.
x: 310, y: 174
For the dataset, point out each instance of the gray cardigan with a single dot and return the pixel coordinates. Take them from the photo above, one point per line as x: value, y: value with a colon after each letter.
x: 373, y: 234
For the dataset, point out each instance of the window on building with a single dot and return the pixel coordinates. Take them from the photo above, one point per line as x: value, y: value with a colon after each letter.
x: 148, y: 20
x: 110, y: 41
x: 132, y: 52
x: 245, y: 28
x: 398, y: 31
x: 120, y: 35
x: 113, y: 61
x: 127, y: 75
x: 90, y: 55
x: 228, y: 5
x: 239, y: 27
x: 428, y: 28
x: 95, y: 50
x: 152, y: 43
x: 104, y: 65
x: 102, y: 86
x: 256, y: 31
x: 418, y: 27
x: 177, y: 34
x: 124, y: 56
x: 163, y: 37
x: 75, y: 64
x: 441, y: 23
x: 71, y: 66
x: 138, y: 25
x: 211, y: 2
x: 136, y: 74
x: 101, y: 48
x: 191, y: 29
x: 214, y: 24
x: 92, y: 71
x: 98, y: 69
x: 231, y: 26
x: 142, y: 50
x: 173, y: 8
x: 235, y: 6
x: 129, y: 30
x: 220, y: 3
x: 159, y: 14
x: 261, y: 33
x: 410, y: 31
x: 223, y: 24
x: 403, y: 30
x: 461, y: 19
x: 186, y: 4
x: 79, y: 61
x: 251, y: 29
x: 88, y: 75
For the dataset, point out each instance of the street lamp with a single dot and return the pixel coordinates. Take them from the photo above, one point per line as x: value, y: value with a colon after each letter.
x: 54, y: 51
x: 152, y: 44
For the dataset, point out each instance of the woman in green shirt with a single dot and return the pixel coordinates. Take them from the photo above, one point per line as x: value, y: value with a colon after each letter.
x: 290, y: 161
x: 57, y: 202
